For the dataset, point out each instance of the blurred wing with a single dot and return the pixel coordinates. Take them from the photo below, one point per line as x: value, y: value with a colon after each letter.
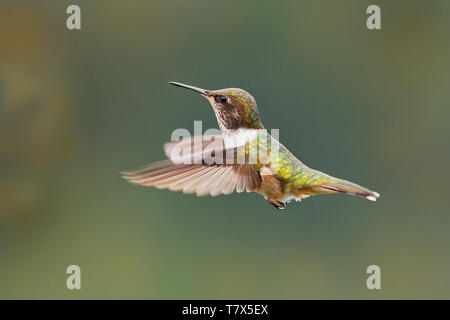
x: 179, y: 174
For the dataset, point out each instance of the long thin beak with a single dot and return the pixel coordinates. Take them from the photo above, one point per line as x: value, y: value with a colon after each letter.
x: 186, y: 86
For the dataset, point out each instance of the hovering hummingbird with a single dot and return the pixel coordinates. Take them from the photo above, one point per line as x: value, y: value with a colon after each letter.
x: 238, y: 117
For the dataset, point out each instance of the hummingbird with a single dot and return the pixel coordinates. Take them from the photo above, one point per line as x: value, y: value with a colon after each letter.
x: 199, y: 171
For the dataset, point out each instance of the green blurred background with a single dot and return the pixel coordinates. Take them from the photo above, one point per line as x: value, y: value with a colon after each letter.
x: 76, y: 107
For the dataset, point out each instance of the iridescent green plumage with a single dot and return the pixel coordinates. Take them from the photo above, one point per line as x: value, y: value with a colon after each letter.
x: 286, y: 168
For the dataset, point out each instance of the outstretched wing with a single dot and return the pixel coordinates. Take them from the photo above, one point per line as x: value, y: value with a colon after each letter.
x: 191, y: 169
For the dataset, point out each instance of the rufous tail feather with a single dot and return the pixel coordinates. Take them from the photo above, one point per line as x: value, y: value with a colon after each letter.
x: 344, y: 186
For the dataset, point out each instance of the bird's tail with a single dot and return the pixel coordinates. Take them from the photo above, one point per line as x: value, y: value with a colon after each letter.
x: 339, y: 185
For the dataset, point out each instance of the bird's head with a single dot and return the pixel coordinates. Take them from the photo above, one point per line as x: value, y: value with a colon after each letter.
x: 234, y: 108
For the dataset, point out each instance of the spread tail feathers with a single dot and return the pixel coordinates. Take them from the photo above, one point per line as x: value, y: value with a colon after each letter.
x: 344, y: 186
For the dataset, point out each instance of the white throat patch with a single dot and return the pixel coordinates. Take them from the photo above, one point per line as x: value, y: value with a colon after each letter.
x: 239, y: 137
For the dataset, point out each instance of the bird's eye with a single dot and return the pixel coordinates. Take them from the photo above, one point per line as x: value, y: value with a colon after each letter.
x: 221, y: 99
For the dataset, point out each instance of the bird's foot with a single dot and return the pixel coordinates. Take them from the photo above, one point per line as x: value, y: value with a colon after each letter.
x: 277, y: 204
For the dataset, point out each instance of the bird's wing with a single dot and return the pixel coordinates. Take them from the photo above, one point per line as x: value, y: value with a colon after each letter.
x: 194, y: 171
x: 194, y: 150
